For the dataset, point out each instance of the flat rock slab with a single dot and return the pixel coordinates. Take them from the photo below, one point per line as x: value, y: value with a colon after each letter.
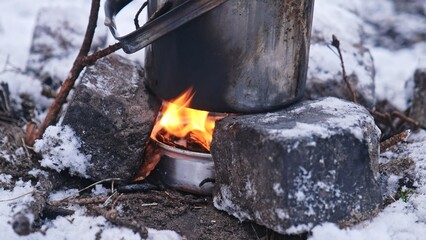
x: 418, y: 110
x: 112, y: 114
x: 290, y: 170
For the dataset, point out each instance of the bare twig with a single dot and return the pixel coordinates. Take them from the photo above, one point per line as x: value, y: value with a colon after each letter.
x: 336, y: 43
x: 401, y: 137
x: 81, y: 201
x: 114, y: 204
x: 91, y: 59
x: 383, y: 117
x: 405, y: 118
x: 82, y: 60
x: 8, y: 66
x: 108, y: 200
x: 27, y: 153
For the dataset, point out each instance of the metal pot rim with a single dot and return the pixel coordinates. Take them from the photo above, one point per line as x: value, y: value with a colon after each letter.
x: 186, y: 153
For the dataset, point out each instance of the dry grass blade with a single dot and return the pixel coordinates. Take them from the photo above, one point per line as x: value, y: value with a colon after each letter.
x: 18, y: 197
x: 91, y: 185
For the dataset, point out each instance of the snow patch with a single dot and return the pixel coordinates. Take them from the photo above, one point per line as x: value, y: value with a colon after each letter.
x: 99, y: 190
x: 282, y: 213
x: 250, y: 190
x: 34, y: 172
x: 60, y: 148
x: 299, y: 228
x: 61, y: 195
x: 12, y: 202
x: 162, y: 235
x: 78, y: 226
x: 340, y: 116
x: 6, y: 178
x: 20, y: 84
x: 278, y: 189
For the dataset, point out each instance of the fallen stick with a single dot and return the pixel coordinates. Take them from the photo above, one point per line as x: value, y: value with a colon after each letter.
x: 401, y: 137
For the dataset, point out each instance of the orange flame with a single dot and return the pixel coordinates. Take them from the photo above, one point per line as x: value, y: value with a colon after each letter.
x: 179, y: 120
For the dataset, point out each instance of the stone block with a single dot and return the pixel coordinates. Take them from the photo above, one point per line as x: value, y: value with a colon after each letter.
x: 290, y: 170
x: 57, y: 39
x: 418, y: 109
x: 113, y: 114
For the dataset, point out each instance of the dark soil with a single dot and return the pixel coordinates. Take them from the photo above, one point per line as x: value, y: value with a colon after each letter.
x: 190, y: 216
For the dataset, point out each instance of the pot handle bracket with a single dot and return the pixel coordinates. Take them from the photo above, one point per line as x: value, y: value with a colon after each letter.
x: 158, y: 27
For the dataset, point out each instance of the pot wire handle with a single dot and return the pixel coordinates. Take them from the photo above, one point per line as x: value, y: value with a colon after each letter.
x: 158, y: 27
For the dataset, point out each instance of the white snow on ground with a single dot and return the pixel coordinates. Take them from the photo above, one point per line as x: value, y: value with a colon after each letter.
x: 11, y: 202
x: 395, y: 65
x: 19, y: 84
x: 400, y: 220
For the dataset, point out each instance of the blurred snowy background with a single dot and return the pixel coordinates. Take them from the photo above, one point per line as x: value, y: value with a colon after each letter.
x: 392, y: 32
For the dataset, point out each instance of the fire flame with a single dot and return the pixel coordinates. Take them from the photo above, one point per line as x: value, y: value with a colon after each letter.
x: 177, y: 119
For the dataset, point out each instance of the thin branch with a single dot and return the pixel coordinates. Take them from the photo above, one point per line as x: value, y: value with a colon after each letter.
x: 91, y: 59
x: 81, y: 201
x: 405, y: 118
x: 336, y: 43
x: 90, y: 30
x: 81, y: 61
x: 114, y: 204
x: 108, y: 200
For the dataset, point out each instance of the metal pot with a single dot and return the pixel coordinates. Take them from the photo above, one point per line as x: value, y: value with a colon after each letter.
x: 239, y: 56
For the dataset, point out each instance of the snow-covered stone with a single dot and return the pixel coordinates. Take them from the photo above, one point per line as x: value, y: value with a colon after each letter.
x: 401, y: 219
x: 290, y: 170
x: 112, y: 113
x: 418, y: 109
x: 57, y: 38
